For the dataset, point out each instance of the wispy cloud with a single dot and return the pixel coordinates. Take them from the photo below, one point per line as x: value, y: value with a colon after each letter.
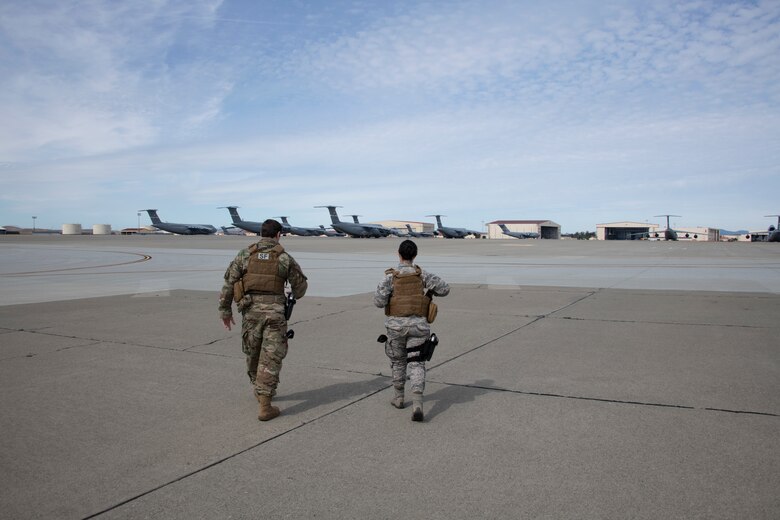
x: 90, y: 77
x: 576, y: 111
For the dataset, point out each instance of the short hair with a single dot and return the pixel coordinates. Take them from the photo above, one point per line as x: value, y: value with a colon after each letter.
x: 407, y: 250
x: 270, y: 228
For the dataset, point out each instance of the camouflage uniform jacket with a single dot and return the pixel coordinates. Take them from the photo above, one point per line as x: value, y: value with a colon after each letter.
x: 288, y: 269
x: 432, y: 284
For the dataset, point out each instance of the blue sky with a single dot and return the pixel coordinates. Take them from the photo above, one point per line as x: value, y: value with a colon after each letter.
x: 581, y: 112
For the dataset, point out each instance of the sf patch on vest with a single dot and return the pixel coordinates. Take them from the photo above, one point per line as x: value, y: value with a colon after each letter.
x: 262, y: 274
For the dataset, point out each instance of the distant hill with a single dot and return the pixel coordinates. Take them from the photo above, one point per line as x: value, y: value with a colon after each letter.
x: 739, y: 232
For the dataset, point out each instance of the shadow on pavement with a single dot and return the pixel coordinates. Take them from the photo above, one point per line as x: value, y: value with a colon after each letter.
x: 330, y: 394
x: 441, y: 400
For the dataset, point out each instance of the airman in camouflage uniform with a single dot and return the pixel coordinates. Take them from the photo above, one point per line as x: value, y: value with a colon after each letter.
x: 260, y: 272
x: 406, y: 322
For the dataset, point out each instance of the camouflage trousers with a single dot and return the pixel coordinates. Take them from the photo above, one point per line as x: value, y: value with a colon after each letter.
x: 264, y: 342
x: 398, y: 340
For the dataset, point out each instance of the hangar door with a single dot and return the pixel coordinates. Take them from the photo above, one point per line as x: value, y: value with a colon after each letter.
x: 549, y: 232
x: 621, y: 233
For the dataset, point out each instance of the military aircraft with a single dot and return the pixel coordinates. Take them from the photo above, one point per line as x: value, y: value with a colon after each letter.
x: 246, y: 225
x: 233, y: 230
x: 300, y: 231
x: 392, y: 231
x: 179, y: 229
x: 669, y: 233
x: 517, y: 234
x: 330, y: 232
x: 774, y: 232
x: 418, y: 234
x: 355, y: 229
x: 451, y: 232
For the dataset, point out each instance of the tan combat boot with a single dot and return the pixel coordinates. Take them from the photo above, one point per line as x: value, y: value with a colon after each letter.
x: 267, y: 412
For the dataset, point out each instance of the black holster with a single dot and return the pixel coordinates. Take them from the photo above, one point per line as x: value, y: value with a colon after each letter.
x: 424, y: 352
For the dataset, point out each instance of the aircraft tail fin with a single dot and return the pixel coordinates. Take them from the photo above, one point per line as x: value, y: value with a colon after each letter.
x: 284, y: 221
x: 334, y: 217
x: 153, y: 216
x: 234, y: 213
x: 503, y: 228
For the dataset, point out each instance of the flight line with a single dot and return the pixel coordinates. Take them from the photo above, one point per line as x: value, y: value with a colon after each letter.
x: 357, y: 229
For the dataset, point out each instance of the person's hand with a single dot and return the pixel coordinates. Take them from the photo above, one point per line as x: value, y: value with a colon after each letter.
x: 227, y: 322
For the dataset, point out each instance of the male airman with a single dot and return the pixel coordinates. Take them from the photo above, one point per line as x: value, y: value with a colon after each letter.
x: 255, y: 280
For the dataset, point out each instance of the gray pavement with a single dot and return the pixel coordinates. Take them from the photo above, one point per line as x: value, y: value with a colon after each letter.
x: 586, y: 380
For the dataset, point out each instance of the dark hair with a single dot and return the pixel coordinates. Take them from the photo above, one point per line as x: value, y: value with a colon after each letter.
x: 407, y: 250
x: 270, y: 228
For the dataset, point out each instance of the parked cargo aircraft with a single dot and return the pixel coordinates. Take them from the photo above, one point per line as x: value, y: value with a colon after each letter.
x: 451, y: 232
x: 233, y: 230
x: 669, y: 233
x: 392, y: 231
x: 774, y: 232
x: 300, y: 231
x: 330, y: 233
x: 517, y: 234
x: 418, y: 234
x: 179, y: 229
x: 246, y: 225
x: 355, y: 229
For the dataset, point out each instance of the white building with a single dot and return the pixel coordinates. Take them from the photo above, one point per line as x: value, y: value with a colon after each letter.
x: 544, y: 228
x: 626, y: 231
x: 645, y: 230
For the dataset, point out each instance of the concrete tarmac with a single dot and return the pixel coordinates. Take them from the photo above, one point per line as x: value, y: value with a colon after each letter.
x: 573, y: 379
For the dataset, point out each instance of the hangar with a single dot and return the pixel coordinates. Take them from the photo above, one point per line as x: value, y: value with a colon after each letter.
x: 625, y: 230
x: 641, y: 230
x: 545, y: 228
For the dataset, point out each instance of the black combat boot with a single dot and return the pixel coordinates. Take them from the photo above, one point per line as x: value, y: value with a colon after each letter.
x: 417, y: 407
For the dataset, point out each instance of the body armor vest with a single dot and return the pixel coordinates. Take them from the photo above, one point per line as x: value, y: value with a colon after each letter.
x: 262, y: 273
x: 408, y: 298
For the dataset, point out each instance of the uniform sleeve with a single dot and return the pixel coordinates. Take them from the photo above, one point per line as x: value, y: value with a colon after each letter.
x: 383, y: 291
x: 435, y: 285
x: 232, y: 275
x: 297, y: 279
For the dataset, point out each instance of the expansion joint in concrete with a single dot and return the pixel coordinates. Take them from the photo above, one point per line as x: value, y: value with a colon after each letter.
x: 604, y: 400
x: 603, y: 320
